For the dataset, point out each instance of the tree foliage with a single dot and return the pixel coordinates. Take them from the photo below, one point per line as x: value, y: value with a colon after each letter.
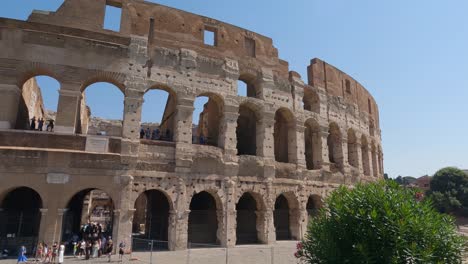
x: 380, y: 223
x: 449, y: 191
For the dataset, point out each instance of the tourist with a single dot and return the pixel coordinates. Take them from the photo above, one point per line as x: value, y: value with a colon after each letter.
x: 82, y: 248
x: 95, y: 249
x: 75, y: 248
x: 103, y: 245
x: 148, y: 133
x: 40, y: 124
x: 109, y: 249
x: 22, y: 255
x: 142, y: 133
x: 33, y: 123
x: 46, y: 254
x: 50, y: 125
x: 61, y: 253
x: 54, y: 252
x: 39, y: 251
x: 121, y: 250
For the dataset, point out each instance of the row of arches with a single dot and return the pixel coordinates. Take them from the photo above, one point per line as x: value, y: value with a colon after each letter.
x: 158, y: 123
x: 20, y: 219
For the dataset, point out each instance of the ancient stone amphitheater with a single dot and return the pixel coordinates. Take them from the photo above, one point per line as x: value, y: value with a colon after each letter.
x: 267, y: 158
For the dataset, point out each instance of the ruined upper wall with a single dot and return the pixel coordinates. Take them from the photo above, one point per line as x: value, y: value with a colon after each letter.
x: 169, y: 27
x: 338, y: 83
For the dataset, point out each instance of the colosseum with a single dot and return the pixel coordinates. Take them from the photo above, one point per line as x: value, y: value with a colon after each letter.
x: 253, y: 171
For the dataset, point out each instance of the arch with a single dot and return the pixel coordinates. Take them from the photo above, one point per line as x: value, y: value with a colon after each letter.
x: 248, y: 223
x: 96, y: 118
x: 282, y: 218
x: 151, y: 217
x: 335, y: 150
x: 314, y: 203
x: 365, y: 155
x: 203, y: 220
x: 246, y: 86
x: 375, y: 167
x: 114, y: 79
x: 207, y: 119
x: 246, y: 131
x: 20, y: 218
x: 313, y: 144
x: 158, y: 114
x: 311, y: 101
x: 353, y: 159
x: 38, y: 103
x: 284, y: 135
x: 89, y: 211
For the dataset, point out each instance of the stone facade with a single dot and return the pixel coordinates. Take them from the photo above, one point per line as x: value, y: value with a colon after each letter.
x: 297, y: 141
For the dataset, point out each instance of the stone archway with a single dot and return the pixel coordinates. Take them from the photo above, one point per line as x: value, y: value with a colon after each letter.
x: 20, y: 219
x: 89, y: 207
x: 282, y: 218
x: 246, y: 131
x: 246, y: 219
x: 151, y: 219
x: 203, y: 220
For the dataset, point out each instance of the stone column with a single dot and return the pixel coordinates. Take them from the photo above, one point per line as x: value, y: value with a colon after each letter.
x: 42, y: 226
x: 296, y: 146
x: 52, y: 231
x: 359, y: 155
x: 228, y: 139
x: 183, y: 135
x: 9, y: 105
x: 325, y: 164
x: 266, y: 143
x: 265, y: 226
x: 133, y: 103
x: 230, y: 213
x: 371, y: 166
x: 178, y: 219
x: 343, y: 163
x: 68, y: 109
x: 297, y: 218
x: 317, y: 149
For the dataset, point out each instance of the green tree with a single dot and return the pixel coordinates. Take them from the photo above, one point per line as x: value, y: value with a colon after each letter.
x: 380, y: 223
x: 449, y: 191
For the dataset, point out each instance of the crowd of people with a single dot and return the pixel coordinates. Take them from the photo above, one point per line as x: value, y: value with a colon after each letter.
x: 93, y: 244
x: 38, y: 124
x: 155, y: 134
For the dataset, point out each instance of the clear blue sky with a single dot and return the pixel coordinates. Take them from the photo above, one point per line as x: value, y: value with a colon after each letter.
x: 411, y: 55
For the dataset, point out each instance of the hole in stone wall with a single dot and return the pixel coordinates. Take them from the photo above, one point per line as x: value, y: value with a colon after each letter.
x: 38, y: 102
x: 158, y: 115
x: 112, y: 18
x: 209, y: 36
x: 206, y: 120
x: 348, y: 86
x: 101, y: 110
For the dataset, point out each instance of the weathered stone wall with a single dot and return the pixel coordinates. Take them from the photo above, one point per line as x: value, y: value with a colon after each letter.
x: 327, y: 133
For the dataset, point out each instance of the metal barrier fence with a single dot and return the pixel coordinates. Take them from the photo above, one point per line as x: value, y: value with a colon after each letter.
x: 156, y: 251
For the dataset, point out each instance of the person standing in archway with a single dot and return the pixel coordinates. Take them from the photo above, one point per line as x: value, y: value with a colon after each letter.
x: 61, y: 253
x: 33, y: 123
x: 109, y: 249
x: 22, y: 255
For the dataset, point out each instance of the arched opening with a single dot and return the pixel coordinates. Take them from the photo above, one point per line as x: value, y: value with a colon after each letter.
x: 97, y: 117
x: 89, y: 216
x: 246, y: 131
x: 207, y: 120
x: 281, y: 218
x: 38, y: 104
x: 353, y: 159
x: 246, y: 229
x: 203, y: 222
x: 158, y: 115
x: 314, y: 203
x: 246, y: 86
x: 283, y: 134
x: 311, y: 101
x: 20, y: 219
x: 313, y: 145
x: 335, y: 152
x: 375, y: 167
x: 365, y: 155
x: 151, y: 220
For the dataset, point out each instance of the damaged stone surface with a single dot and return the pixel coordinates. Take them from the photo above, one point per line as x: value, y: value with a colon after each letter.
x: 287, y: 139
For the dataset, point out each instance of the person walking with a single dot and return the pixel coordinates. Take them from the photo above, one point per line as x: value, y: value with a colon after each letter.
x: 121, y: 250
x: 142, y: 133
x: 50, y: 125
x: 75, y: 248
x: 39, y: 252
x: 109, y: 249
x: 40, y: 124
x: 22, y: 255
x: 33, y: 123
x: 61, y: 253
x: 54, y: 252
